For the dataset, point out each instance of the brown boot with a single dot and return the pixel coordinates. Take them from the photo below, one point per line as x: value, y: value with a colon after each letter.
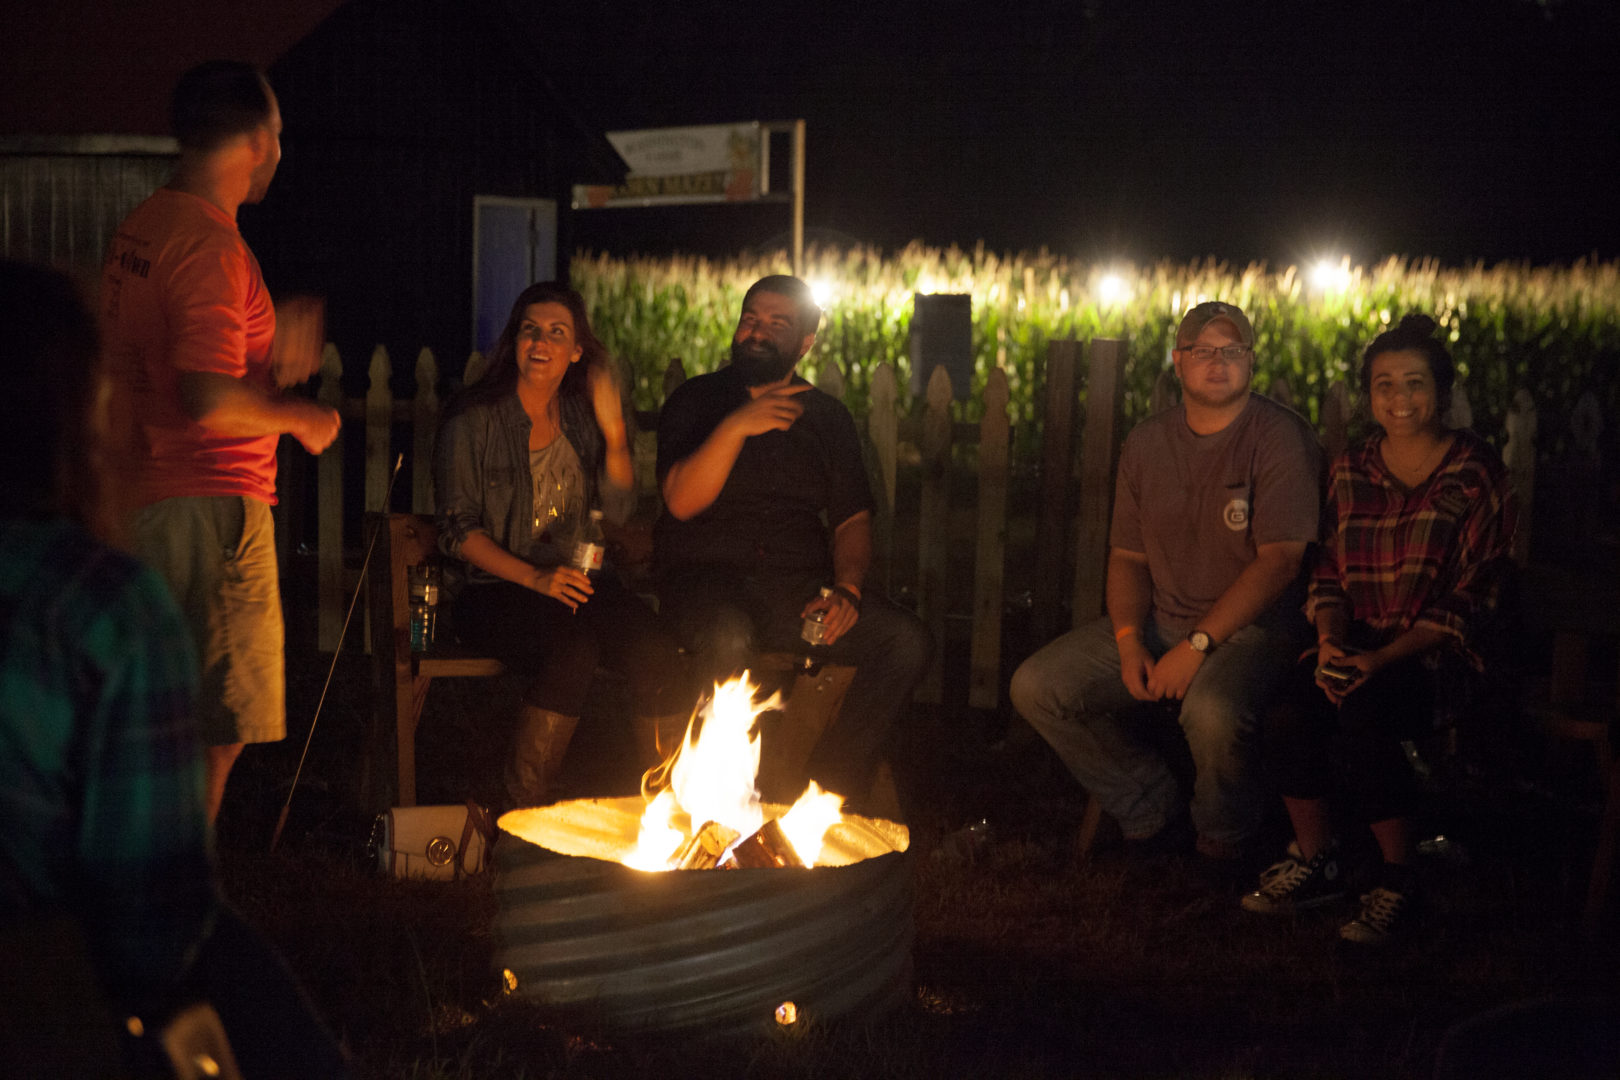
x: 537, y: 754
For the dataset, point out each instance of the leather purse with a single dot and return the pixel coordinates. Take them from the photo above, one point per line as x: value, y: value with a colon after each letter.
x: 438, y: 842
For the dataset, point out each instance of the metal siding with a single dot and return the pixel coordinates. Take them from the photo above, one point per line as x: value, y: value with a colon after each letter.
x: 714, y: 951
x: 62, y: 210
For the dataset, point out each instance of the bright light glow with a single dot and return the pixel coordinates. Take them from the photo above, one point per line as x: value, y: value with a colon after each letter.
x: 1330, y: 276
x: 807, y: 823
x: 821, y: 291
x: 711, y: 778
x: 1112, y: 289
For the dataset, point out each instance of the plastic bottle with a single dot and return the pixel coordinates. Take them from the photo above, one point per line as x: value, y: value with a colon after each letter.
x: 588, y: 549
x: 424, y: 606
x: 815, y: 623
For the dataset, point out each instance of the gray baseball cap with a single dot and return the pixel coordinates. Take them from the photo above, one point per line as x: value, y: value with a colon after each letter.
x: 1193, y: 323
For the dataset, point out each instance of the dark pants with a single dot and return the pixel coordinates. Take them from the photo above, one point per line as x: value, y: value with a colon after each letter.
x: 726, y: 619
x: 1353, y: 751
x: 529, y: 632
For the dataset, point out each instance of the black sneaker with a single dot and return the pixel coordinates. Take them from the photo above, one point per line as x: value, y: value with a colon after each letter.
x: 1296, y: 884
x: 1383, y: 912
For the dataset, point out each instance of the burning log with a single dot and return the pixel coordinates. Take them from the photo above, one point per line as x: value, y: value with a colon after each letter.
x: 703, y: 851
x: 768, y: 847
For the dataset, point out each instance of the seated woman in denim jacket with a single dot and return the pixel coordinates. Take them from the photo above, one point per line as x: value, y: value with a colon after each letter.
x: 1418, y: 521
x: 522, y: 458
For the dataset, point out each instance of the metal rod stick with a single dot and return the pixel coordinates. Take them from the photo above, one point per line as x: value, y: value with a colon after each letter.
x: 281, y: 819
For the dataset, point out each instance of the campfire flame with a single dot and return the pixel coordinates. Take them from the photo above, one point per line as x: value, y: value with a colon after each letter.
x: 711, y: 778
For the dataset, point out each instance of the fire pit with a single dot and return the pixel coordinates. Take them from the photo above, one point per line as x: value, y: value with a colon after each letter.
x: 796, y: 913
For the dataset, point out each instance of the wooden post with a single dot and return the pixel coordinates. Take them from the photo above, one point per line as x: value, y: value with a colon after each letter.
x: 1057, y: 462
x: 1099, y: 457
x: 425, y: 428
x: 329, y: 513
x: 830, y: 379
x: 1335, y: 419
x: 379, y: 431
x: 882, y: 427
x: 674, y: 375
x: 1166, y: 392
x: 933, y: 528
x: 476, y: 366
x: 984, y: 687
x: 1519, y: 455
x: 1461, y: 414
x: 1282, y: 392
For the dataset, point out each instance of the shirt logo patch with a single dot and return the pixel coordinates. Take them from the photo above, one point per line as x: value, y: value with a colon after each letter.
x: 1236, y: 515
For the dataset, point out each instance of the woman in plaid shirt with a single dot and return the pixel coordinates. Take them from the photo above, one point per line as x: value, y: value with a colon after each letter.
x: 1418, y: 520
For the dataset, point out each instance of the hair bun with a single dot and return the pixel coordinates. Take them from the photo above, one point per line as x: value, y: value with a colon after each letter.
x: 1417, y: 324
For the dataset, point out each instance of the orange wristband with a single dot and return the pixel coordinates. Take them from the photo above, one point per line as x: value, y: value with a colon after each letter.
x: 1124, y: 632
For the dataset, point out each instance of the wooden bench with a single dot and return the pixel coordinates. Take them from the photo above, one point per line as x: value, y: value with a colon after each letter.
x: 403, y: 677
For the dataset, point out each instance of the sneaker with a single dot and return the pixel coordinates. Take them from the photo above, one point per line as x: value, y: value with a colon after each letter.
x: 1383, y: 911
x: 1296, y: 884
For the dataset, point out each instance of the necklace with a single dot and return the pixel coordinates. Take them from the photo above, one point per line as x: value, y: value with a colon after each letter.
x: 1411, y: 475
x: 544, y: 425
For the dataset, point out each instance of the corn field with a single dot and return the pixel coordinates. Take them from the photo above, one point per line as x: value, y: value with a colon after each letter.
x: 1555, y: 330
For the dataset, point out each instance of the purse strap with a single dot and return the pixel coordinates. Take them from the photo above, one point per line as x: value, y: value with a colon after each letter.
x: 479, y: 819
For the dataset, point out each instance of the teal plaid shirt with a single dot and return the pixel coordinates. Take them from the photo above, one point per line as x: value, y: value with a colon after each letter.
x: 101, y: 780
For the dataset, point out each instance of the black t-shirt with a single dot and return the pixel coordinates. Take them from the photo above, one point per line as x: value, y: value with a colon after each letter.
x: 786, y: 492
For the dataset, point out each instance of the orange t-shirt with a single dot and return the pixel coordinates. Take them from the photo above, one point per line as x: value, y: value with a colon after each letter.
x: 180, y: 291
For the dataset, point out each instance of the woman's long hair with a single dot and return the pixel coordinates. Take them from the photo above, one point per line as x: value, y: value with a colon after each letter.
x: 500, y: 378
x: 55, y: 424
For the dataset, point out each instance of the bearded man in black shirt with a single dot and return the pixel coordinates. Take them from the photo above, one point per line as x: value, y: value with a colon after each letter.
x: 766, y: 502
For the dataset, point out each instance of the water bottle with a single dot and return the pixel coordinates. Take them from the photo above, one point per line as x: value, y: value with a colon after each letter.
x: 424, y: 606
x: 588, y: 549
x: 815, y: 623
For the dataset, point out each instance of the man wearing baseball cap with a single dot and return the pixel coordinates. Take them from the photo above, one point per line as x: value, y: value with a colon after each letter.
x: 1214, y: 506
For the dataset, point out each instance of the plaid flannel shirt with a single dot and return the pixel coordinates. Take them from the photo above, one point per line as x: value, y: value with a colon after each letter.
x: 101, y: 780
x: 1399, y: 558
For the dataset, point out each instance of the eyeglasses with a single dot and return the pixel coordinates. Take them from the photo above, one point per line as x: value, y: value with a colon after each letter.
x: 1230, y: 353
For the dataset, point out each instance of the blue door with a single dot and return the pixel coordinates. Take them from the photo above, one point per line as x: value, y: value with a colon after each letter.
x: 514, y: 245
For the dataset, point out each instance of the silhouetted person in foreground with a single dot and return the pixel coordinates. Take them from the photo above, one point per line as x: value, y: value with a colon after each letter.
x: 106, y: 880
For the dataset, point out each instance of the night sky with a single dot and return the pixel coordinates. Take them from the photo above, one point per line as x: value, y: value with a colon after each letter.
x: 1461, y: 129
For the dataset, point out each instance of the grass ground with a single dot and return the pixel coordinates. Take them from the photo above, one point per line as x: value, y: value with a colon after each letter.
x: 1029, y: 962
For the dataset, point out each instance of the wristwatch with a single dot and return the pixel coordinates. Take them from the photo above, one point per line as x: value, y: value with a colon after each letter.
x: 1200, y: 642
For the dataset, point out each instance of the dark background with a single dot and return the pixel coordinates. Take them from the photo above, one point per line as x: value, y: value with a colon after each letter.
x: 1460, y: 129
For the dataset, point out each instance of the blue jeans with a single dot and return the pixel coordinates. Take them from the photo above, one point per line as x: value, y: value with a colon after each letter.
x: 1072, y: 693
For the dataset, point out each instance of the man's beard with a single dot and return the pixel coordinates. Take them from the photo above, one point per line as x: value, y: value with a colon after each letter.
x: 760, y: 363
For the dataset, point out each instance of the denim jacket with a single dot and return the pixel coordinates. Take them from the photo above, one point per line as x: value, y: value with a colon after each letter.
x: 481, y: 475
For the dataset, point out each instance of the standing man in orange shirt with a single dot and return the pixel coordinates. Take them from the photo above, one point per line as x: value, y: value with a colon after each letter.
x: 192, y: 338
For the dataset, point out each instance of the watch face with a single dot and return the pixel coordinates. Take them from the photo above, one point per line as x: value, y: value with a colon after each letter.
x: 1199, y: 641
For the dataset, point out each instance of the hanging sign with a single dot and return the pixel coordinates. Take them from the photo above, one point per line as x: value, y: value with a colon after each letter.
x: 669, y: 166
